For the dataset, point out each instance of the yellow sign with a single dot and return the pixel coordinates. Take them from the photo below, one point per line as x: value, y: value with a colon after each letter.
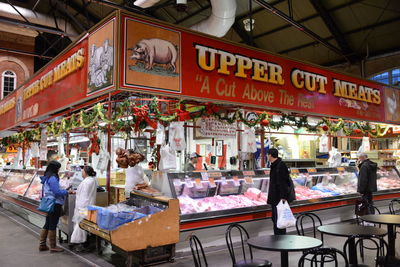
x: 8, y: 105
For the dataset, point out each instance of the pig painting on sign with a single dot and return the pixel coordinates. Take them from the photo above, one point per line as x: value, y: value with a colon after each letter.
x: 101, y: 62
x: 155, y: 51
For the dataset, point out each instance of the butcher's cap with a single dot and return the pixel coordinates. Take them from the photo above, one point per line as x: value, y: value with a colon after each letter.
x: 194, y: 155
x: 362, y: 154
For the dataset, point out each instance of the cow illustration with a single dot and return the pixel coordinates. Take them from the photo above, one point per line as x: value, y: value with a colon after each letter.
x: 155, y: 50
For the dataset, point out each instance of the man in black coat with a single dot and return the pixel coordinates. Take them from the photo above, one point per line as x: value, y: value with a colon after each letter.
x: 367, y: 179
x: 278, y: 185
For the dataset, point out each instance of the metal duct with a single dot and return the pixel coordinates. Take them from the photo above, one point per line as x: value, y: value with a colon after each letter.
x: 8, y: 11
x: 218, y: 24
x: 221, y: 19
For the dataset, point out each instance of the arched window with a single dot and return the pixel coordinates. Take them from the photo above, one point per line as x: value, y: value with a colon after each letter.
x: 8, y: 82
x: 391, y: 77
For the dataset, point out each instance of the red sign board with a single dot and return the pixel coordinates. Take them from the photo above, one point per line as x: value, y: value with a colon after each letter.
x: 158, y: 58
x: 7, y: 111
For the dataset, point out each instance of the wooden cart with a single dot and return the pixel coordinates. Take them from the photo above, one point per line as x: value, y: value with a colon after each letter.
x: 147, y: 240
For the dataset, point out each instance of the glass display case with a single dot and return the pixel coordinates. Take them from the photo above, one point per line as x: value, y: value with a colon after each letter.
x: 209, y: 193
x: 213, y: 194
x: 18, y: 182
x: 35, y: 189
x: 3, y: 176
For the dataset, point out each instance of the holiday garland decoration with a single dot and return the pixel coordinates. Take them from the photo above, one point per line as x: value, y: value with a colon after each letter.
x: 128, y: 116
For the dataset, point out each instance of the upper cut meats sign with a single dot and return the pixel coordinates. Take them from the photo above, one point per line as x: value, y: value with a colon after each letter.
x: 158, y: 57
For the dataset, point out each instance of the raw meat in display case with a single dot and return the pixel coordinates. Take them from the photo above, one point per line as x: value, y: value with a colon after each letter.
x: 35, y: 189
x: 18, y: 182
x: 388, y: 179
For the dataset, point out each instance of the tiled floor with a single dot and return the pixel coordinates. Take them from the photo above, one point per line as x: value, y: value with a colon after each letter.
x: 19, y: 241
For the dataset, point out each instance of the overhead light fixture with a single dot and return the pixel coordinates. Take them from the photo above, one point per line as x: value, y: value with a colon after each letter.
x: 249, y: 26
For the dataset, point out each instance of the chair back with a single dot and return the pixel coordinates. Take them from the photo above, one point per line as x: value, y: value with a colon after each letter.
x: 243, y: 235
x: 197, y: 248
x: 374, y: 243
x: 319, y: 255
x: 305, y: 217
x: 376, y: 210
x: 392, y: 206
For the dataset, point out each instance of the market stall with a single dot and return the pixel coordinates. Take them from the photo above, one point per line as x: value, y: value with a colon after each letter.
x: 207, y: 103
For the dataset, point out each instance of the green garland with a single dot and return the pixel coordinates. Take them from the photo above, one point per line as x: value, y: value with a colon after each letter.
x: 119, y: 121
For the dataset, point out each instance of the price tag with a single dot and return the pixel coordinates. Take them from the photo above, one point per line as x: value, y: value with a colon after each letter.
x: 177, y: 182
x: 340, y: 169
x: 266, y: 172
x: 204, y: 176
x: 199, y: 185
x: 294, y: 170
x: 214, y: 174
x: 223, y: 181
x: 236, y: 181
x: 311, y: 170
x: 248, y: 180
x: 212, y: 182
x: 249, y: 173
x: 189, y: 183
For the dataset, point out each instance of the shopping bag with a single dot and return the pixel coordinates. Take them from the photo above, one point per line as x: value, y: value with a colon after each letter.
x: 249, y: 143
x: 167, y: 158
x: 285, y: 216
x: 177, y: 136
x: 78, y: 235
x: 361, y: 207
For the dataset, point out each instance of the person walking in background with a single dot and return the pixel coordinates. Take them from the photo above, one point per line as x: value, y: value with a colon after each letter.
x: 367, y: 179
x: 85, y: 196
x: 279, y: 186
x: 51, y: 188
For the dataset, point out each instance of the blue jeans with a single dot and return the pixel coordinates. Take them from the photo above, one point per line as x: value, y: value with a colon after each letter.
x: 52, y: 218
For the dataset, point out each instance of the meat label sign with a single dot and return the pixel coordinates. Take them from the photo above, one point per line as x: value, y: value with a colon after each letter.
x: 162, y: 58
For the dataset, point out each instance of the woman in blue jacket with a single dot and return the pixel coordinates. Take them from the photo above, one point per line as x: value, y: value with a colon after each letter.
x: 51, y: 188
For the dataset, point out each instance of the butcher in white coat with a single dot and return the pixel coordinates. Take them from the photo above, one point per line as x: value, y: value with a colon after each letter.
x: 134, y: 174
x: 85, y: 196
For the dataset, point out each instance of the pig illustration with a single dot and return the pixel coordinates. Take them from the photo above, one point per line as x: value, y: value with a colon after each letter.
x: 155, y: 50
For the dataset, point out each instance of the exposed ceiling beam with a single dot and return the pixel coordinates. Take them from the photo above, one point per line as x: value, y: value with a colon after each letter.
x: 198, y: 11
x: 60, y: 6
x: 124, y: 7
x: 33, y: 26
x: 300, y: 27
x: 259, y: 9
x: 333, y: 28
x: 286, y: 26
x: 20, y: 52
x: 346, y: 33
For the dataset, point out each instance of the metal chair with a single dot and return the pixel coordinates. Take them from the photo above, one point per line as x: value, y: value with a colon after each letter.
x: 392, y: 205
x: 315, y: 220
x: 195, y: 246
x: 244, y: 235
x: 378, y: 243
x: 320, y: 256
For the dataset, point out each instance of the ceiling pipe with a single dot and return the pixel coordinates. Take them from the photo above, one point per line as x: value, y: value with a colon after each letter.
x: 145, y: 3
x: 221, y: 19
x: 218, y: 24
x: 35, y: 18
x: 300, y: 27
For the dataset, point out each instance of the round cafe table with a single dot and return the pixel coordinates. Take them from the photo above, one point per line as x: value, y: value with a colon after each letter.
x: 351, y: 231
x: 390, y: 220
x: 284, y: 244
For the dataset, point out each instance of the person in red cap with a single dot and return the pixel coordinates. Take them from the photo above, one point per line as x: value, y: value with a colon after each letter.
x: 191, y: 165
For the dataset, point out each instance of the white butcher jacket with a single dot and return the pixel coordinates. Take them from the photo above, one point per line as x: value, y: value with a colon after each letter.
x: 85, y: 196
x: 134, y: 175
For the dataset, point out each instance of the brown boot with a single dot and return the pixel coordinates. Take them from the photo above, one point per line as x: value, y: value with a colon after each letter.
x: 53, y: 242
x: 43, y: 237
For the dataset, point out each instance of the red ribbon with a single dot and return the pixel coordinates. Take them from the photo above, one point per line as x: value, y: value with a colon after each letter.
x: 211, y: 108
x: 183, y: 115
x: 94, y: 145
x: 142, y: 113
